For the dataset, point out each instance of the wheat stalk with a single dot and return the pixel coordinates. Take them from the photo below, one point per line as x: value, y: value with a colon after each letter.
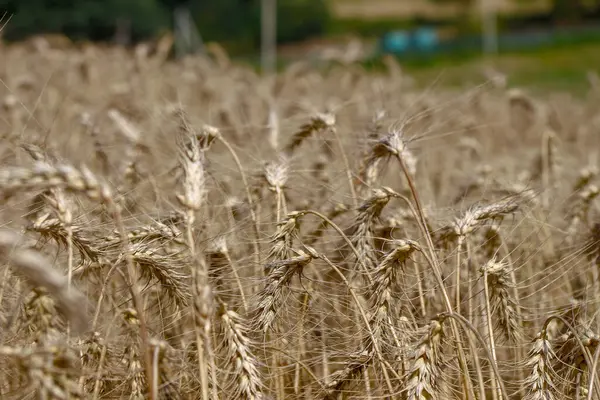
x: 276, y: 176
x: 50, y: 370
x: 279, y: 276
x: 393, y: 144
x: 503, y: 306
x: 363, y: 236
x: 354, y: 366
x: 203, y: 307
x: 539, y: 385
x: 383, y: 317
x: 282, y: 240
x: 319, y: 122
x: 163, y: 385
x: 37, y: 270
x: 424, y: 377
x: 248, y: 379
x: 44, y: 176
x: 168, y: 270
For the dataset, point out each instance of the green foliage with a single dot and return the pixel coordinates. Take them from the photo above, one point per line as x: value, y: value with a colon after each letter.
x: 298, y: 19
x: 239, y: 20
x: 229, y: 21
x: 225, y: 20
x: 83, y: 19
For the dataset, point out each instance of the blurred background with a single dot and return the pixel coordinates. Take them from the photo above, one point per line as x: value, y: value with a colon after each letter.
x: 549, y: 43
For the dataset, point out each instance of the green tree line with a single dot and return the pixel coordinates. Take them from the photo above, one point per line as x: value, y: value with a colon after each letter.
x: 230, y: 21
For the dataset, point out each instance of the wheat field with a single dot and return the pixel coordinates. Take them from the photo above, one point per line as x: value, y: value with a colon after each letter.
x: 191, y: 230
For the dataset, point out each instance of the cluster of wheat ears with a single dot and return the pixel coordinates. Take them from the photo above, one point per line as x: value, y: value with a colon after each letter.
x: 191, y: 230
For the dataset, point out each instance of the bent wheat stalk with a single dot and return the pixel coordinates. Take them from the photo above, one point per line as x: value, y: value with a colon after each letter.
x: 82, y: 180
x: 37, y: 270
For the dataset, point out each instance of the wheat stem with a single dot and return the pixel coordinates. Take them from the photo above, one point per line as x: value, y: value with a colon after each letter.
x: 256, y: 242
x: 434, y: 264
x: 488, y: 313
x: 347, y: 166
x: 466, y: 324
x: 364, y: 317
x: 592, y: 374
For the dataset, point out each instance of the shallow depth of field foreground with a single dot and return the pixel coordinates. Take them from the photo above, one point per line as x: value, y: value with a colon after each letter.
x: 191, y: 230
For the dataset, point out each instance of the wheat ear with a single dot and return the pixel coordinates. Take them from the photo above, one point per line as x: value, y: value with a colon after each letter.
x: 35, y: 268
x: 424, y: 376
x: 245, y: 365
x: 279, y: 276
x: 539, y: 385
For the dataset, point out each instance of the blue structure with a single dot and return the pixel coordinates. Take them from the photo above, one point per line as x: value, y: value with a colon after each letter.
x: 426, y: 39
x: 396, y: 42
x: 421, y: 40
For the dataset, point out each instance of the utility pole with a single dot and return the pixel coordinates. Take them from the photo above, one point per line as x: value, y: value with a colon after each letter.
x: 268, y: 20
x: 187, y: 35
x: 489, y: 26
x: 268, y: 59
